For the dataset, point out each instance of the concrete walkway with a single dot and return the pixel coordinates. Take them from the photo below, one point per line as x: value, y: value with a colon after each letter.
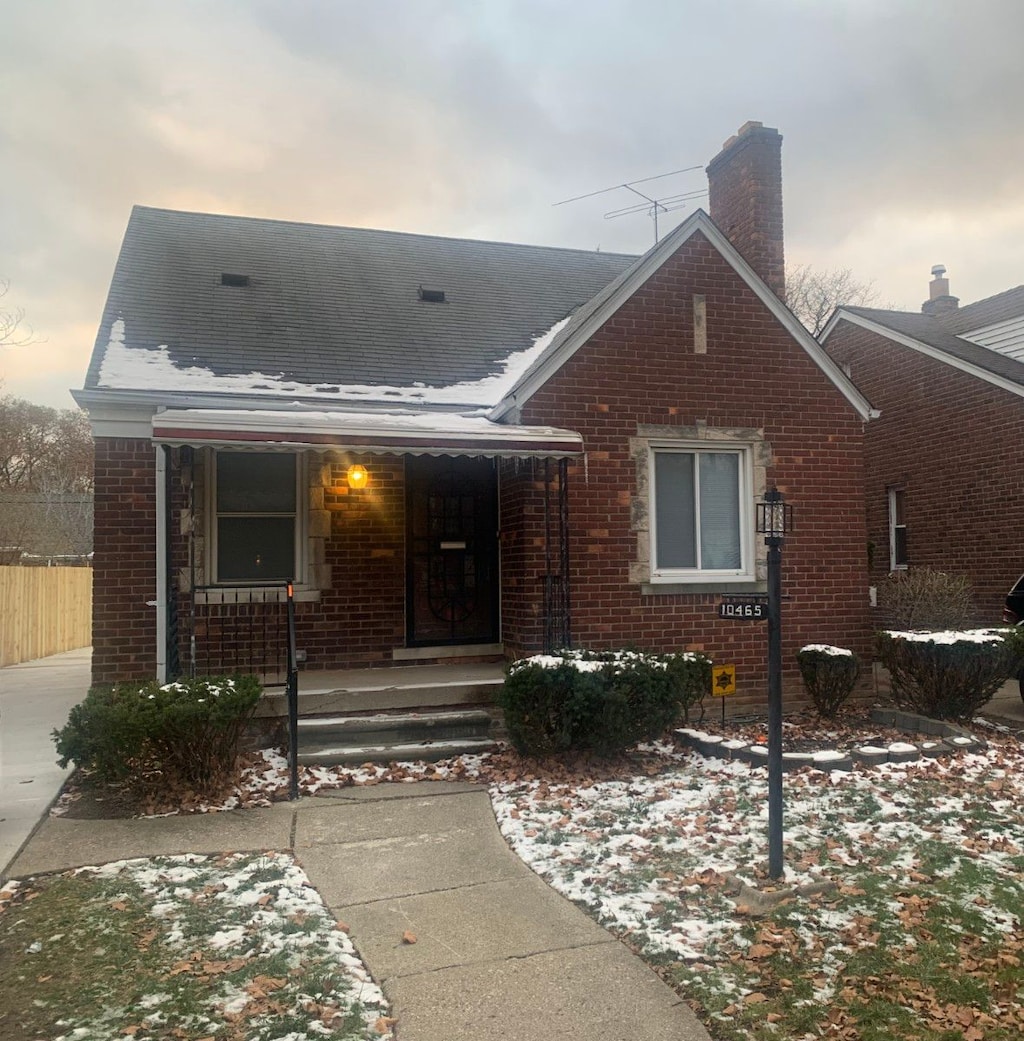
x: 499, y: 955
x: 1007, y: 705
x: 35, y: 698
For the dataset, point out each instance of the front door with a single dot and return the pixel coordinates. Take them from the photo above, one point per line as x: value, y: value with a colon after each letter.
x: 452, y: 551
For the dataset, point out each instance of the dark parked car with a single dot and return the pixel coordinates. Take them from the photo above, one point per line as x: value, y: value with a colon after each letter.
x: 1013, y: 614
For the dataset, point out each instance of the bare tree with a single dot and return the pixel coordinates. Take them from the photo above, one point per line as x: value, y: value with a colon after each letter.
x: 46, y: 478
x: 814, y: 293
x: 10, y: 323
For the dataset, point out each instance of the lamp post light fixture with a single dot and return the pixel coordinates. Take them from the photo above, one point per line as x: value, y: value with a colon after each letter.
x: 774, y: 520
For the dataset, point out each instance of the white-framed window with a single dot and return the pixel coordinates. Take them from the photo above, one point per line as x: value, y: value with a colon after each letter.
x: 701, y: 521
x: 256, y: 515
x: 897, y: 531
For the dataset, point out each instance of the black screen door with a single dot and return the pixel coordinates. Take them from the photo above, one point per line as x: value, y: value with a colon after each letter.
x: 452, y: 548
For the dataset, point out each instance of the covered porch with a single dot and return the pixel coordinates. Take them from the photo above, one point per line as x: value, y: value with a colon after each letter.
x: 423, y: 551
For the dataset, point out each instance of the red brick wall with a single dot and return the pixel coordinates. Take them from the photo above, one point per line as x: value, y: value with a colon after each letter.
x: 524, y: 550
x: 124, y: 561
x: 362, y: 617
x: 952, y: 441
x: 641, y: 368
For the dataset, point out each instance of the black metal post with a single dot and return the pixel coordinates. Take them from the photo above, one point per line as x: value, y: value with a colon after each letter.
x: 293, y: 701
x: 775, y: 867
x: 563, y: 517
x: 549, y: 578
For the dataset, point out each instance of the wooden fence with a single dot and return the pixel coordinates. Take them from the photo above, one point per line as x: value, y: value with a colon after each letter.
x: 44, y: 610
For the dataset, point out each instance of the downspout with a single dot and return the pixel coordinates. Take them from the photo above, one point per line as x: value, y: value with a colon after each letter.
x: 161, y: 562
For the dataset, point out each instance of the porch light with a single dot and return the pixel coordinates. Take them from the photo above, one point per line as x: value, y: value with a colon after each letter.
x: 358, y: 477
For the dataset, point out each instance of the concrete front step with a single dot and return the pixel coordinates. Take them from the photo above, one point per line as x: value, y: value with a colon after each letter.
x: 429, y: 751
x: 393, y: 689
x: 396, y: 727
x: 381, y: 737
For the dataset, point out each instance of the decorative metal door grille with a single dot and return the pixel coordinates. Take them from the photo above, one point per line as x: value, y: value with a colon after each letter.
x: 452, y: 545
x: 451, y: 518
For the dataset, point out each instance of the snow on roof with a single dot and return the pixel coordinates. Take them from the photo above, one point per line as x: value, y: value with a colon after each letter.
x: 128, y: 368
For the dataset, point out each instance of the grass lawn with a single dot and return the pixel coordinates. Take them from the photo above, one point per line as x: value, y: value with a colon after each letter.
x: 901, y: 914
x: 233, y: 948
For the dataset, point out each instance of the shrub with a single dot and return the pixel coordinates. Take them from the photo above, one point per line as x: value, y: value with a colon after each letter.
x: 949, y: 675
x: 105, y: 732
x: 829, y: 675
x: 188, y: 730
x: 599, y: 701
x: 920, y: 598
x: 196, y: 726
x: 690, y: 674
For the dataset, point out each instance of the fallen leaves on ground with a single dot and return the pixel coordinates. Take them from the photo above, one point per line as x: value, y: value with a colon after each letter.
x: 181, y: 948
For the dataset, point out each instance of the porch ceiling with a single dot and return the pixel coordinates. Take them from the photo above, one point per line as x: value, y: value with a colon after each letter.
x: 394, y: 433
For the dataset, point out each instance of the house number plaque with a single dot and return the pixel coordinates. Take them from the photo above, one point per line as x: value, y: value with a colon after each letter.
x: 744, y: 608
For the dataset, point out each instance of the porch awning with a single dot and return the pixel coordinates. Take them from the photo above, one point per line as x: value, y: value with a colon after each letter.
x: 395, y: 433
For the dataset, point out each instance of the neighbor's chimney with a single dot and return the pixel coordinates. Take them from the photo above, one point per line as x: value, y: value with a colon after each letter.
x: 939, y: 301
x: 745, y: 197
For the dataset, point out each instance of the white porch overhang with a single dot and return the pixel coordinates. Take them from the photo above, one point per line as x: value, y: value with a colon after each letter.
x: 394, y: 433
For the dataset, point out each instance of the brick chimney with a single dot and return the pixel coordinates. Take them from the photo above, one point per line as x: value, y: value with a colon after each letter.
x: 939, y: 301
x: 745, y: 197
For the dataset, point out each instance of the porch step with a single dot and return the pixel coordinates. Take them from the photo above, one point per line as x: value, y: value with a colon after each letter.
x: 383, y: 737
x: 403, y: 688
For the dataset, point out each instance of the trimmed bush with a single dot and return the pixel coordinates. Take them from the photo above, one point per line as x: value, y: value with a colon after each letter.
x: 598, y: 701
x: 105, y: 732
x: 829, y: 675
x: 920, y: 598
x: 188, y: 730
x: 949, y: 675
x: 196, y: 726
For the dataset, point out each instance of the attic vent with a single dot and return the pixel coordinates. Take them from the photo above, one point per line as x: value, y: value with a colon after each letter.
x: 431, y: 296
x: 227, y: 279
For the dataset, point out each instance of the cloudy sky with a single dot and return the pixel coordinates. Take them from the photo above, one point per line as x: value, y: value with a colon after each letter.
x: 903, y: 137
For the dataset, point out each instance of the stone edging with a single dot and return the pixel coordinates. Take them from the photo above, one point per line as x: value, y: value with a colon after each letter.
x: 949, y: 739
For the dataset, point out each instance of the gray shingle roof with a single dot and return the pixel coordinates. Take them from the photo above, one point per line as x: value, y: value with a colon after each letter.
x: 336, y: 305
x: 935, y: 332
x: 1009, y: 304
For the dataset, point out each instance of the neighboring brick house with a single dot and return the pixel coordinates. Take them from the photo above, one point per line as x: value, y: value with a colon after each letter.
x: 465, y: 449
x: 944, y: 474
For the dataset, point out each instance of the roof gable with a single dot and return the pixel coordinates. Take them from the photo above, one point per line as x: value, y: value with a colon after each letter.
x: 585, y: 322
x: 929, y: 336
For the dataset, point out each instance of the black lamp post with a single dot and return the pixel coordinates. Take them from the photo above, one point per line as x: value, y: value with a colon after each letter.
x: 774, y: 519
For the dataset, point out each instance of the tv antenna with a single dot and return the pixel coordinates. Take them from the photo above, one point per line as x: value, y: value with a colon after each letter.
x: 652, y: 206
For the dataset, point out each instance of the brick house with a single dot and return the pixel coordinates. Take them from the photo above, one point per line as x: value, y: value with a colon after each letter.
x: 944, y: 480
x: 467, y: 450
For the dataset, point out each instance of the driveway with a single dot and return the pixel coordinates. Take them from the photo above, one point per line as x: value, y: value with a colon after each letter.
x: 35, y: 697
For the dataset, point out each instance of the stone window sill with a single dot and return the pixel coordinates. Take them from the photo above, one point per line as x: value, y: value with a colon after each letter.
x: 701, y: 588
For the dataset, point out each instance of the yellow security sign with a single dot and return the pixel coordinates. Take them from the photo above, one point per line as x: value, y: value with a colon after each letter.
x: 723, y: 680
